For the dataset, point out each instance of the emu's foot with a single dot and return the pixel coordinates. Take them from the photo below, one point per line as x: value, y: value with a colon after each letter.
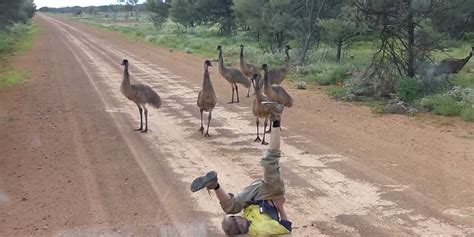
x: 257, y: 139
x: 144, y: 130
x: 264, y: 143
x: 138, y: 129
x: 230, y: 102
x: 201, y: 129
x: 207, y: 135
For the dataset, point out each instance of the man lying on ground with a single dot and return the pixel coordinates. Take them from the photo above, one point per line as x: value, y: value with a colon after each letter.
x: 262, y: 202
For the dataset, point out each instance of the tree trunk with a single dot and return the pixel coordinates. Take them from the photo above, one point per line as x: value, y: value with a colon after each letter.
x: 305, y: 48
x: 310, y: 7
x: 411, y: 43
x: 339, y: 50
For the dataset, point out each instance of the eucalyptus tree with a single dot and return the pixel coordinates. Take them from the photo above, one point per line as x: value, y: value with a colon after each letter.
x: 340, y: 30
x: 158, y: 11
x: 398, y: 22
x: 12, y: 11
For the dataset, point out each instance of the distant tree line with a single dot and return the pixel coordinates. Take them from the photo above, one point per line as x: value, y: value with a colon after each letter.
x: 14, y: 11
x: 406, y: 29
x: 411, y: 25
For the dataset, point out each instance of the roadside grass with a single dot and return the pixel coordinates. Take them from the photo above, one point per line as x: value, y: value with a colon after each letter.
x: 17, y: 39
x: 11, y: 76
x: 321, y: 67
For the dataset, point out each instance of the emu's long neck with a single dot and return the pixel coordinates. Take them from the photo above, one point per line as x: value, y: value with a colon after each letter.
x: 242, y: 60
x: 206, y: 82
x: 221, y: 62
x: 467, y: 58
x: 266, y: 82
x: 258, y: 94
x: 126, y: 76
x: 287, y: 58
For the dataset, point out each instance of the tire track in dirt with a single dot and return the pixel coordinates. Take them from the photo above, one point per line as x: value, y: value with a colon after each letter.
x: 166, y: 195
x: 317, y: 193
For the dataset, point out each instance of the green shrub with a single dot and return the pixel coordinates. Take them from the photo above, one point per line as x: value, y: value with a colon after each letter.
x: 445, y: 105
x: 338, y: 92
x: 463, y: 80
x: 467, y: 114
x: 336, y: 75
x: 408, y: 89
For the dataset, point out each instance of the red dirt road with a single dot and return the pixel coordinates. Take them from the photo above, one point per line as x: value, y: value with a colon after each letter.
x: 71, y: 164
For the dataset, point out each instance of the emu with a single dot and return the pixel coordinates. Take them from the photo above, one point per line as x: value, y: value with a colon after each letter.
x: 233, y: 76
x: 207, y: 99
x: 258, y: 109
x: 140, y: 94
x: 275, y: 93
x: 451, y: 65
x: 276, y: 75
x: 248, y: 69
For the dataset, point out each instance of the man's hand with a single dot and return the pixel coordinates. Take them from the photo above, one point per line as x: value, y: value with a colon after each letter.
x: 279, y: 201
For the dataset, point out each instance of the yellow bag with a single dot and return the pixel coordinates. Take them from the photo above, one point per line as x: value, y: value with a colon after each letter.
x: 262, y: 224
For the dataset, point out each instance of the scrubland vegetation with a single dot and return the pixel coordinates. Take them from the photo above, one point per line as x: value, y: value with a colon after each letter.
x: 16, y: 35
x: 382, y: 53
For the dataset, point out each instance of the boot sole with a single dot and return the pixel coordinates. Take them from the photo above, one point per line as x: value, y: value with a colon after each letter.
x: 202, y: 181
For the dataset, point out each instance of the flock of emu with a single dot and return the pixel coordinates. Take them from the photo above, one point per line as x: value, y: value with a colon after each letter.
x: 266, y: 89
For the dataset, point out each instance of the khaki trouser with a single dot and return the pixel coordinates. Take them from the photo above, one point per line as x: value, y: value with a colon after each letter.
x: 270, y: 187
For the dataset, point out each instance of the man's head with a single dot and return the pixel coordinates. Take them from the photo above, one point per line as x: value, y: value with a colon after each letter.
x: 235, y: 225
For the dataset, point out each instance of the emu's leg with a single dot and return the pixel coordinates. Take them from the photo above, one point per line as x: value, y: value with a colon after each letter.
x: 257, y: 122
x: 140, y: 110
x: 237, y: 92
x: 264, y: 128
x: 232, y: 101
x: 248, y: 92
x: 208, y: 122
x: 201, y: 129
x: 146, y: 119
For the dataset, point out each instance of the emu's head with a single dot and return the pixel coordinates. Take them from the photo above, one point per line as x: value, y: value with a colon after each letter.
x: 124, y: 62
x: 255, y: 80
x: 241, y: 46
x: 287, y: 47
x: 219, y: 47
x: 207, y: 63
x: 264, y: 66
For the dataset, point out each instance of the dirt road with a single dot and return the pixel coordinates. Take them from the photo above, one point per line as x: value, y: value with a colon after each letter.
x: 71, y: 164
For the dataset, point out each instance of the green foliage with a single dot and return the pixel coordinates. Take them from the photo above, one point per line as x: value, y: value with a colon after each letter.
x: 272, y: 20
x: 159, y: 11
x: 467, y: 114
x: 463, y: 79
x: 17, y: 38
x: 183, y: 12
x: 453, y: 17
x: 15, y: 11
x: 336, y: 76
x: 443, y: 105
x: 338, y: 31
x: 338, y: 92
x: 11, y: 77
x: 408, y: 89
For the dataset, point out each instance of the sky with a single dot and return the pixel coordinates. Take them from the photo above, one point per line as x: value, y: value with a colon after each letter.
x: 71, y: 3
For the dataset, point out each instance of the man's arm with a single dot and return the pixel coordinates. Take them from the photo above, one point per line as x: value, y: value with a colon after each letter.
x: 275, y: 136
x: 279, y: 204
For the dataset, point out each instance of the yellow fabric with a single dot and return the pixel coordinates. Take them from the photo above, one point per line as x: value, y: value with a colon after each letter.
x: 262, y: 224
